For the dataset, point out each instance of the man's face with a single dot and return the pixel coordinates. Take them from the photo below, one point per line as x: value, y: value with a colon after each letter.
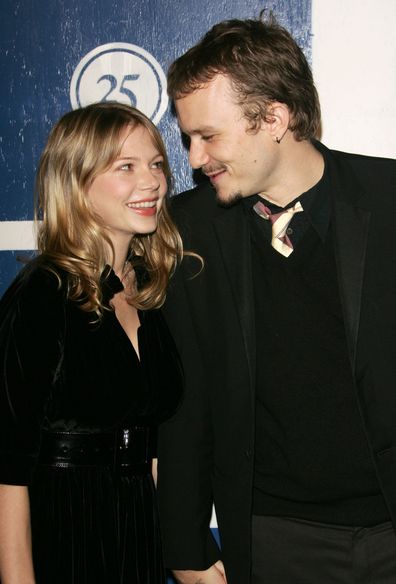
x: 238, y: 162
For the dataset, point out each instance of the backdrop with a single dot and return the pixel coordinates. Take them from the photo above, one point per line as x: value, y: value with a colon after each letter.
x: 59, y: 55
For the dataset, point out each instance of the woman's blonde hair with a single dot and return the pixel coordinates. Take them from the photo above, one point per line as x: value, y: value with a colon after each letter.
x: 84, y: 143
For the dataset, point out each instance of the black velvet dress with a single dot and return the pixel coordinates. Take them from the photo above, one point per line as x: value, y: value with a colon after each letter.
x: 64, y: 376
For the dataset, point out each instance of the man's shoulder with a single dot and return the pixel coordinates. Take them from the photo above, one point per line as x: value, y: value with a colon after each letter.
x: 193, y: 212
x: 372, y: 175
x: 200, y: 200
x: 364, y: 164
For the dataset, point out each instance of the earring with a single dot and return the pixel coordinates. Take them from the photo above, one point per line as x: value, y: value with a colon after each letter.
x: 279, y: 140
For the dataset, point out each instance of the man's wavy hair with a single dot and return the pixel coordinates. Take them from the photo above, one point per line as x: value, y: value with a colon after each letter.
x: 83, y: 144
x: 264, y: 64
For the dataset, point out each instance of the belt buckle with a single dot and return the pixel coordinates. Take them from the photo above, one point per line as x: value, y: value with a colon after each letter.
x: 131, y: 451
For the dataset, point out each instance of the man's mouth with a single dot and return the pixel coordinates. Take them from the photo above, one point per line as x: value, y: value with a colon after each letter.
x: 214, y: 175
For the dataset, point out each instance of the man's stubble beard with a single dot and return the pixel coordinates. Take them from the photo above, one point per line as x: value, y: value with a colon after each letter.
x: 231, y: 200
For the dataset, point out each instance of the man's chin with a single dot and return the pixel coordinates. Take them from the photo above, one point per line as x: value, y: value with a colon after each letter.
x: 229, y: 199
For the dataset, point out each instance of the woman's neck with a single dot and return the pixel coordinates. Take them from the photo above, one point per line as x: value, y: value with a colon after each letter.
x: 119, y: 255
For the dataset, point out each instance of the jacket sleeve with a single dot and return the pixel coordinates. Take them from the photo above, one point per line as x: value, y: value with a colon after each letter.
x: 185, y: 456
x: 31, y: 313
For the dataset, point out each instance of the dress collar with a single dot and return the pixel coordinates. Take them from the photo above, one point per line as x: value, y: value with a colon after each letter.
x: 111, y: 284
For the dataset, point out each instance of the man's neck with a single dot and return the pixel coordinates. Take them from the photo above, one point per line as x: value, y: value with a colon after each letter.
x: 300, y: 167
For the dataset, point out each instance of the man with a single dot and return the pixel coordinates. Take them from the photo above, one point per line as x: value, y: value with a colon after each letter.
x: 287, y: 332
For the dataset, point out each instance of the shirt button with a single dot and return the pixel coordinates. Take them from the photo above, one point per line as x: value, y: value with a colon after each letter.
x: 289, y: 231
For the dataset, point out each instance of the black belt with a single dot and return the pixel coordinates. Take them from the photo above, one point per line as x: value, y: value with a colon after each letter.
x: 126, y: 452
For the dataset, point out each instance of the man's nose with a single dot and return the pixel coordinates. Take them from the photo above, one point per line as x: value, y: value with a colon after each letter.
x: 197, y: 154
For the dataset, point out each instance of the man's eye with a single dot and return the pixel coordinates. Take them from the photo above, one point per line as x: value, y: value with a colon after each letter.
x: 207, y: 138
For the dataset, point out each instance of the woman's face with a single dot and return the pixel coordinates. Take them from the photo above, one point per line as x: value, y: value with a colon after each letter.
x: 128, y: 196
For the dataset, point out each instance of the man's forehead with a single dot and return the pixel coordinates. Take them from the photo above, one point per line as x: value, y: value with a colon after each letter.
x: 194, y: 114
x: 197, y: 120
x: 203, y: 109
x: 219, y: 84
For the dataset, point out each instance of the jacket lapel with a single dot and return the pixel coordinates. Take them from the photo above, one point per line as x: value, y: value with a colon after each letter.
x: 352, y: 221
x: 233, y: 238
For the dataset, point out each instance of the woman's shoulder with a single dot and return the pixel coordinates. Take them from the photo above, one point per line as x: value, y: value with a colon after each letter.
x: 37, y: 284
x: 38, y: 274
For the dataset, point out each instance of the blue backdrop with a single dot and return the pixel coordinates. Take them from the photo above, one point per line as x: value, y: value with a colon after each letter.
x: 42, y: 44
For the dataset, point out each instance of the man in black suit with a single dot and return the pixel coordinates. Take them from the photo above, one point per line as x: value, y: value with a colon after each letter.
x: 287, y: 333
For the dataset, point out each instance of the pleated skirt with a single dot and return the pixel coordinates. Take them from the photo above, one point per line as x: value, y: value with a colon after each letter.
x: 90, y: 527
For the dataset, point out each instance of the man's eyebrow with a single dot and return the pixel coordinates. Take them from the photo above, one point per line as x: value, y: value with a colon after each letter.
x: 200, y: 130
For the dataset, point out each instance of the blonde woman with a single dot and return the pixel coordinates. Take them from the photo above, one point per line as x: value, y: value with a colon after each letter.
x: 88, y: 369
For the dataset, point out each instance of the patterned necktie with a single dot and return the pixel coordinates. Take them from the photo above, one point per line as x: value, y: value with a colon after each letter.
x: 280, y: 222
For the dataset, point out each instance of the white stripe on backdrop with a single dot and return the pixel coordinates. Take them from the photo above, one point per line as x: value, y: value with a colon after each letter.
x: 17, y: 235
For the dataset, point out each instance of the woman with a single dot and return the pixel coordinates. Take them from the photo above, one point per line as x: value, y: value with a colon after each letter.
x: 88, y: 369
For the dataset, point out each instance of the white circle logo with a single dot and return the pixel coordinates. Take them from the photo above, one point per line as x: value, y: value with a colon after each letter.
x: 120, y: 72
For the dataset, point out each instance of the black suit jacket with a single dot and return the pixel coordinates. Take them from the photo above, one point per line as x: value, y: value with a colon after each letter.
x: 207, y: 451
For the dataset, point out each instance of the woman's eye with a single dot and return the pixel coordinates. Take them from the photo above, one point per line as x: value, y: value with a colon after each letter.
x: 159, y: 164
x: 127, y: 166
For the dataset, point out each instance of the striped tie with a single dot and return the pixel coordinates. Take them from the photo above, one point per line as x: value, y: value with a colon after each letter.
x: 280, y: 222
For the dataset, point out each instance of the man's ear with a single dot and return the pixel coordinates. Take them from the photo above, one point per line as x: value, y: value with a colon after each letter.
x: 277, y: 120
